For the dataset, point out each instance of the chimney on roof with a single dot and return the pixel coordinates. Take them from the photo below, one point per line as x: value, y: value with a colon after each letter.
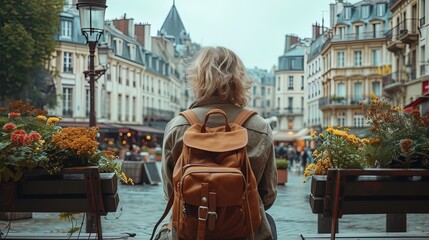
x: 126, y: 26
x: 289, y: 41
x: 316, y: 31
x: 143, y: 35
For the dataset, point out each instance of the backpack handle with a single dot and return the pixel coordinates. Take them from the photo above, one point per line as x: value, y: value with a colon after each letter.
x: 215, y: 111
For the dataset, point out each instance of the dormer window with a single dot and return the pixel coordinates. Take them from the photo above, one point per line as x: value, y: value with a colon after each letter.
x: 118, y: 45
x: 132, y: 49
x: 347, y: 12
x: 365, y: 11
x: 381, y: 9
x: 66, y: 29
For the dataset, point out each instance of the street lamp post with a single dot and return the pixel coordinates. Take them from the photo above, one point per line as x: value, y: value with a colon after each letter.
x: 91, y: 13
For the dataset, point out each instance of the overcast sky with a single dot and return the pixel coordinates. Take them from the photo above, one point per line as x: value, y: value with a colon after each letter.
x: 254, y: 29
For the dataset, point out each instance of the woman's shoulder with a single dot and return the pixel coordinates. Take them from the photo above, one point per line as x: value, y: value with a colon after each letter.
x: 257, y: 123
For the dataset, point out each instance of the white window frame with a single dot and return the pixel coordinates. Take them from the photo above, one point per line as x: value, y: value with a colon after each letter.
x: 341, y: 89
x: 358, y: 91
x: 376, y: 57
x: 365, y: 11
x: 68, y: 99
x: 66, y: 29
x: 67, y: 62
x: 341, y: 32
x: 381, y: 9
x: 358, y: 120
x: 341, y: 58
x: 358, y: 58
x: 341, y: 118
x: 290, y: 83
x: 377, y: 91
x: 347, y: 13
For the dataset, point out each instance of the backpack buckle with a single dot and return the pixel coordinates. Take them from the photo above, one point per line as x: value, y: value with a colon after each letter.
x: 203, y: 213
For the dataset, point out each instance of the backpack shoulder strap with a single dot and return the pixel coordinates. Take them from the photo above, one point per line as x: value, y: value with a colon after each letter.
x: 244, y: 116
x: 167, y: 209
x: 190, y: 116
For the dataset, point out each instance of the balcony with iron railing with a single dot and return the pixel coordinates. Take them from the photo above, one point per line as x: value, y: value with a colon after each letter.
x: 155, y: 113
x: 289, y: 111
x: 357, y: 36
x: 67, y: 113
x: 332, y: 101
x: 406, y: 32
x: 395, y: 80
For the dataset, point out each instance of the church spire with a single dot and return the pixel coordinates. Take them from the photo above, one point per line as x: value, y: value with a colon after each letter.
x: 173, y: 26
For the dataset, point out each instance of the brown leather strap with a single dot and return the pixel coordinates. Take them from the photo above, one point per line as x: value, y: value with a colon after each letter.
x: 190, y: 116
x: 167, y: 209
x: 248, y: 168
x: 243, y: 116
x: 203, y: 211
x: 212, y: 211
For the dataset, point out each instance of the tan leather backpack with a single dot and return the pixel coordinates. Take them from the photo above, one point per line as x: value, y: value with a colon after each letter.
x: 215, y: 190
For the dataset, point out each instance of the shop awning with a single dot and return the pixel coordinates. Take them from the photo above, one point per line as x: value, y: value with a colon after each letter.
x: 138, y: 128
x: 289, y: 135
x: 103, y: 127
x: 410, y: 107
x: 145, y: 129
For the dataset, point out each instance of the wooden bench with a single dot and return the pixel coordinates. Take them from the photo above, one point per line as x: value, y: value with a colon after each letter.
x: 394, y: 192
x: 79, y: 189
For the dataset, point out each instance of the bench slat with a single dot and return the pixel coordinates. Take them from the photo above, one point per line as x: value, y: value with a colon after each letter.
x: 70, y: 184
x: 60, y: 204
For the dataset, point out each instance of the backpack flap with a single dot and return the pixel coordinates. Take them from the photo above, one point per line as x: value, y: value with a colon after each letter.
x: 216, y: 139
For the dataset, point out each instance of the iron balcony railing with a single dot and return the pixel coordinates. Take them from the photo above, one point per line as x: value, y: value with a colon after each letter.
x: 349, y: 100
x: 158, y: 114
x: 408, y: 26
x: 67, y: 113
x: 289, y: 111
x: 395, y: 77
x: 357, y: 36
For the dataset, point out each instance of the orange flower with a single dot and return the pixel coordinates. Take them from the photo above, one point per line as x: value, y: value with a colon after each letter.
x: 18, y: 137
x: 9, y: 126
x: 14, y: 115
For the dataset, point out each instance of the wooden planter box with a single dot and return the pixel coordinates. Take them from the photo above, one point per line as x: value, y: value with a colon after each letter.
x: 78, y: 189
x: 395, y: 192
x: 61, y: 193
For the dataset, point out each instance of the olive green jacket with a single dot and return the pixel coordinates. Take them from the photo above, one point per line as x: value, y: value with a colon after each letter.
x: 260, y: 150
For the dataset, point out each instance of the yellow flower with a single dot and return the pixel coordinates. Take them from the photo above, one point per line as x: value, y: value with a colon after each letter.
x: 53, y: 120
x: 321, y: 135
x: 315, y: 153
x: 41, y: 118
x: 313, y: 134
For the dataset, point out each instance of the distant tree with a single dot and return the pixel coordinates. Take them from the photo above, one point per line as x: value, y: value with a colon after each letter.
x: 27, y: 31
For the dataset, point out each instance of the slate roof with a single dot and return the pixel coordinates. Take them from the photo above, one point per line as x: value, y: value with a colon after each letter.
x: 261, y: 76
x: 173, y: 27
x: 356, y: 14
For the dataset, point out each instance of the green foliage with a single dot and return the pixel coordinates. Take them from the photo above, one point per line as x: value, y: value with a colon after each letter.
x: 282, y: 163
x: 27, y: 30
x: 402, y: 138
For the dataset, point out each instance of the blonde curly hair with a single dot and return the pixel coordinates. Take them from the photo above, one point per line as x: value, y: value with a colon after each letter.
x: 219, y: 72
